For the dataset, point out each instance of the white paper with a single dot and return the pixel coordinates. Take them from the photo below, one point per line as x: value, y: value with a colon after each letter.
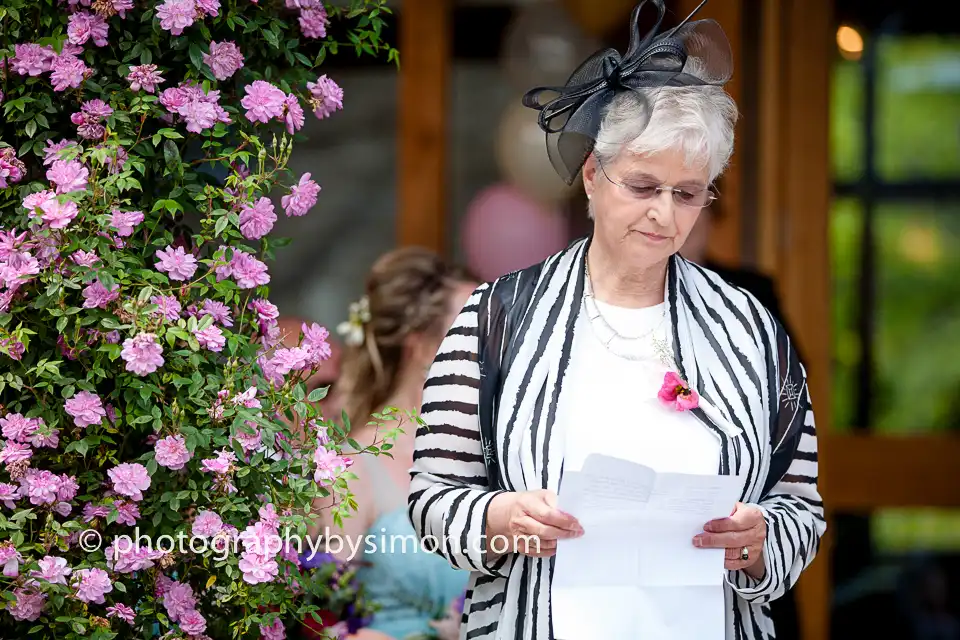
x: 635, y: 572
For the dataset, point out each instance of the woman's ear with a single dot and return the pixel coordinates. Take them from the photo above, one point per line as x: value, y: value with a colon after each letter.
x: 590, y: 174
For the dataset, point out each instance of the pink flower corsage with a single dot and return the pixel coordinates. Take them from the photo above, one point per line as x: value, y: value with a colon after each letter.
x: 677, y: 394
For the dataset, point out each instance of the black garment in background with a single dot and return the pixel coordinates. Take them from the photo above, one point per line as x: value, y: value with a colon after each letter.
x: 783, y: 610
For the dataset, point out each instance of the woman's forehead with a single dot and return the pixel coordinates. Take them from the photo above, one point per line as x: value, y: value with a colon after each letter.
x: 667, y: 166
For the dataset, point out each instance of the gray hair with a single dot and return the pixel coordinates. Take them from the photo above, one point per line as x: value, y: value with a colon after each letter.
x: 696, y: 120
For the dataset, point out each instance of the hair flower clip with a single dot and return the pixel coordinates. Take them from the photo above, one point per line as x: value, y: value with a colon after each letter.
x: 352, y: 329
x: 676, y: 393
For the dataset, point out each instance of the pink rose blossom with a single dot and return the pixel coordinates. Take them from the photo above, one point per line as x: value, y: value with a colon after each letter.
x: 263, y: 101
x: 144, y: 76
x: 167, y: 306
x: 32, y: 59
x: 40, y: 486
x: 172, y: 452
x: 96, y: 296
x: 121, y: 611
x: 83, y: 258
x: 125, y: 221
x: 176, y: 15
x: 209, y: 7
x: 330, y: 465
x: 207, y: 524
x: 68, y: 488
x: 274, y: 631
x: 9, y: 494
x: 15, y: 452
x: 257, y: 568
x: 52, y: 569
x: 10, y: 559
x: 92, y: 585
x: 36, y: 201
x: 676, y: 394
x: 142, y: 353
x: 247, y: 271
x: 69, y: 72
x: 58, y: 215
x: 178, y: 600
x: 29, y: 605
x: 293, y: 114
x: 83, y: 26
x: 218, y: 311
x: 85, y: 408
x: 130, y: 479
x: 193, y: 623
x: 210, y: 338
x: 16, y: 427
x: 178, y: 264
x: 221, y: 464
x: 68, y: 176
x: 301, y: 198
x: 326, y: 97
x: 224, y: 59
x: 313, y: 21
x: 256, y: 220
x: 127, y: 513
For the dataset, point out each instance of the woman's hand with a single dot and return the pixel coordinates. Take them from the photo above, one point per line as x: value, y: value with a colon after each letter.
x: 528, y: 523
x: 745, y: 527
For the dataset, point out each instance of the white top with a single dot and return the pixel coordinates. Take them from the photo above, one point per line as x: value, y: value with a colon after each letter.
x: 611, y: 405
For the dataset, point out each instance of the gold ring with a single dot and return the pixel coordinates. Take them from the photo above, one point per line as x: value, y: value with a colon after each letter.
x: 745, y: 554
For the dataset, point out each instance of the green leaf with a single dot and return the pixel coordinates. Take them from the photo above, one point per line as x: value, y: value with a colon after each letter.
x: 119, y: 587
x: 80, y: 446
x: 106, y: 279
x: 196, y: 55
x: 31, y: 128
x: 62, y: 323
x: 222, y: 223
x: 145, y: 294
x: 318, y: 394
x: 171, y: 156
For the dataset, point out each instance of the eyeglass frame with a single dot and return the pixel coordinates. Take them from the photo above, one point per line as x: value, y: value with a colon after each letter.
x: 659, y: 189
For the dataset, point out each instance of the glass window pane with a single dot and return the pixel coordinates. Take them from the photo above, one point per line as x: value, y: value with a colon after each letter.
x: 846, y: 223
x: 917, y: 344
x: 846, y: 121
x: 918, y: 107
x: 904, y: 584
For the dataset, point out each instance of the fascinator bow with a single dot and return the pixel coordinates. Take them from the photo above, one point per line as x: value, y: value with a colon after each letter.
x: 692, y: 53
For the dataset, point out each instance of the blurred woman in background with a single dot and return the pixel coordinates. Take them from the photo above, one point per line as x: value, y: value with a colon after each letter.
x: 412, y: 298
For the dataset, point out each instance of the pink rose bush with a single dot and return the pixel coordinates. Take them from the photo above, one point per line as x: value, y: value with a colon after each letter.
x: 145, y: 392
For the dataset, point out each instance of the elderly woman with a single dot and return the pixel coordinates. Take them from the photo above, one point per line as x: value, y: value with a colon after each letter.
x: 619, y: 346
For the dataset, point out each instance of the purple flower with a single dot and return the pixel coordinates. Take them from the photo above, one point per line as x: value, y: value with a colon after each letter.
x: 32, y: 59
x: 40, y: 486
x: 192, y: 623
x: 85, y: 408
x: 53, y: 569
x: 58, y: 215
x: 178, y: 264
x: 83, y: 258
x: 127, y: 513
x: 178, y: 600
x: 207, y: 524
x: 142, y: 353
x: 17, y: 428
x: 247, y: 271
x: 53, y: 150
x: 68, y: 72
x: 83, y: 26
x: 256, y: 220
x: 10, y: 559
x: 8, y: 494
x: 68, y: 176
x: 210, y: 338
x: 121, y: 611
x: 92, y: 584
x: 216, y: 310
x: 167, y: 306
x: 130, y: 479
x: 171, y: 452
x: 257, y: 567
x: 263, y: 101
x: 274, y: 631
x: 301, y: 198
x: 125, y: 221
x: 176, y: 15
x: 224, y: 59
x: 293, y: 114
x: 97, y: 296
x: 144, y: 76
x: 29, y: 605
x: 313, y: 22
x: 326, y: 96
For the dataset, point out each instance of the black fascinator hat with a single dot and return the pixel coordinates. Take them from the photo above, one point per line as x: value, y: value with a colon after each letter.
x: 692, y: 53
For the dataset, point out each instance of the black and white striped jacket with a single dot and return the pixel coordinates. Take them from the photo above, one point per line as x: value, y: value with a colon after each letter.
x: 500, y: 371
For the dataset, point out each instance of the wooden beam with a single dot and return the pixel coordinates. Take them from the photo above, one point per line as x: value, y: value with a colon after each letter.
x: 425, y: 51
x: 725, y: 245
x: 865, y: 472
x: 804, y: 273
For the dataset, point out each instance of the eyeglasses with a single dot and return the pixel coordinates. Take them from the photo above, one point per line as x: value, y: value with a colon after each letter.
x: 691, y: 196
